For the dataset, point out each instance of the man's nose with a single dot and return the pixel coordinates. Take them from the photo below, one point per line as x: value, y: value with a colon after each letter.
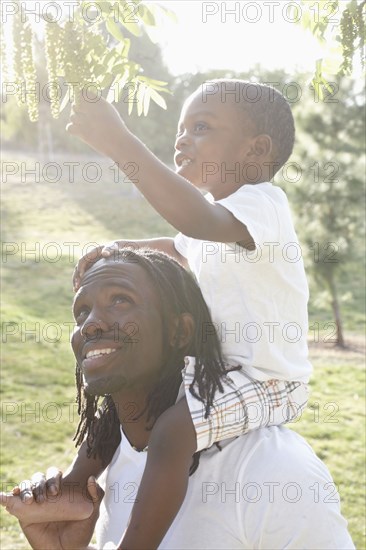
x: 94, y: 325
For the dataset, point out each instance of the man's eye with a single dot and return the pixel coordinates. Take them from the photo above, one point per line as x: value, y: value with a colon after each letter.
x: 81, y: 314
x: 121, y: 299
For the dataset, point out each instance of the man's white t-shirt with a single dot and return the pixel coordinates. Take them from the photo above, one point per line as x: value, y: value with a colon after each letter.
x: 258, y: 300
x: 267, y: 490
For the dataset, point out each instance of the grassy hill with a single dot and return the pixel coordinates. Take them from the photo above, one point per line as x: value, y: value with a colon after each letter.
x: 46, y: 224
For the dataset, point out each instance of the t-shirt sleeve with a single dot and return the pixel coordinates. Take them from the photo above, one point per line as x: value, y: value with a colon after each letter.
x: 181, y: 243
x: 256, y: 211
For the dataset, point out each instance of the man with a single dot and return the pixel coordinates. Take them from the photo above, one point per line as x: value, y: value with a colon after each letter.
x: 137, y: 318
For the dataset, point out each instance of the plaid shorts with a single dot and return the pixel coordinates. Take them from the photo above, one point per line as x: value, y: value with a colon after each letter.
x: 246, y: 404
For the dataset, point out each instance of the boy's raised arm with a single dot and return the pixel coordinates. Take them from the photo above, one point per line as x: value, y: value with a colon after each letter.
x: 176, y: 199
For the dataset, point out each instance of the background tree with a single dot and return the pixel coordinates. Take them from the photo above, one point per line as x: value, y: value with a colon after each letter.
x: 329, y: 198
x: 339, y: 25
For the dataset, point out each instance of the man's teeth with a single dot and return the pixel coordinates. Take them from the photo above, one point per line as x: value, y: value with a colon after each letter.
x: 186, y: 161
x: 96, y: 352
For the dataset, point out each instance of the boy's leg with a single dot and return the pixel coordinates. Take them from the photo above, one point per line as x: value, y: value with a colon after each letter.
x: 245, y: 405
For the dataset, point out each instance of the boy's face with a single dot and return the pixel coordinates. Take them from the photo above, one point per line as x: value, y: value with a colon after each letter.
x: 213, y: 144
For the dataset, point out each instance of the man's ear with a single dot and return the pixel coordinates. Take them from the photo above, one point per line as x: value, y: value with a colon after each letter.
x: 262, y: 146
x: 183, y: 330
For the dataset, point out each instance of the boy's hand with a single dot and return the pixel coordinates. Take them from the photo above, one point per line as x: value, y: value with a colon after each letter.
x: 99, y: 124
x: 89, y: 259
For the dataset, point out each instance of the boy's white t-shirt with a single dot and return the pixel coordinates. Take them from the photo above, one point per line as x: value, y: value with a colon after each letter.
x: 258, y: 299
x: 265, y: 490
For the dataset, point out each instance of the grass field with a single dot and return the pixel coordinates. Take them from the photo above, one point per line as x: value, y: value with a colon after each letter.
x: 40, y: 220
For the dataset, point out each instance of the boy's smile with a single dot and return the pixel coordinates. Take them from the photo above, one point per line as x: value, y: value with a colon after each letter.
x: 214, y: 142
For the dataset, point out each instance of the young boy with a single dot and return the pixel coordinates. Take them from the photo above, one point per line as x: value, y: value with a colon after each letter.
x: 239, y: 241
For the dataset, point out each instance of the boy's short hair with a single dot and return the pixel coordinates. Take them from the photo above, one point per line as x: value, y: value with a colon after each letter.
x: 268, y: 110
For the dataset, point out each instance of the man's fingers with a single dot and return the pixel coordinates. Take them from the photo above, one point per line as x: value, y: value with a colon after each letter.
x: 53, y: 480
x: 5, y: 499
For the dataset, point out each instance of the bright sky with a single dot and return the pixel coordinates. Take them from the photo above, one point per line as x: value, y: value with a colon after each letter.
x: 236, y: 35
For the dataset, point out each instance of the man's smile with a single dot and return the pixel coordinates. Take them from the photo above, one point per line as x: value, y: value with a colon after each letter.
x: 97, y: 352
x: 97, y: 357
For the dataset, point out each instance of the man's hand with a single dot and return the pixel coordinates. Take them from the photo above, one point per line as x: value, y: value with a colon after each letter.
x: 54, y: 535
x: 98, y: 124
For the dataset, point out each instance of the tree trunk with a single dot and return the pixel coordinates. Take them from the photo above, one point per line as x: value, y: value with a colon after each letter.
x: 336, y: 309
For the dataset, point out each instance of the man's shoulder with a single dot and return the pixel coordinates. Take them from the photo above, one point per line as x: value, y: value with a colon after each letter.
x: 269, y: 453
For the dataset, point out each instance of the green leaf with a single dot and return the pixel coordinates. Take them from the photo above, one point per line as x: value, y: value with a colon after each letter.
x: 318, y: 88
x: 128, y: 23
x: 327, y: 85
x: 104, y: 5
x: 140, y: 99
x: 111, y: 96
x: 133, y: 28
x: 126, y: 47
x: 147, y: 15
x: 147, y: 97
x: 151, y: 81
x: 157, y: 98
x: 118, y: 68
x: 98, y: 69
x: 130, y: 106
x: 114, y: 29
x: 105, y: 81
x: 108, y: 57
x: 156, y: 8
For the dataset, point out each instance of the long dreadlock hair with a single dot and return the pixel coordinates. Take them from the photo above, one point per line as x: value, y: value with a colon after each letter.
x: 178, y: 293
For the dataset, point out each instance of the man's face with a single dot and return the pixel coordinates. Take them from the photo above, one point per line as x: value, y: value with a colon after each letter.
x: 213, y: 137
x: 118, y: 339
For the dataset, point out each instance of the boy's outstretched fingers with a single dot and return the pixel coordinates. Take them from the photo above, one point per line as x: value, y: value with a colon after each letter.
x: 110, y: 249
x: 83, y: 265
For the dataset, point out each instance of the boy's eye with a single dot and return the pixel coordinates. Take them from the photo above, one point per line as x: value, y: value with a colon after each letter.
x: 200, y: 127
